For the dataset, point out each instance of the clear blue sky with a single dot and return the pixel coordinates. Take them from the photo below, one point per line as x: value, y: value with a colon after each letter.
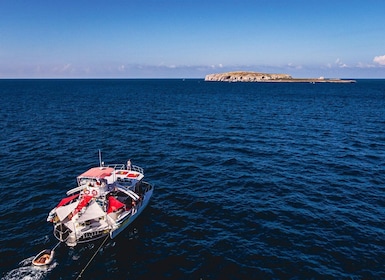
x: 191, y: 38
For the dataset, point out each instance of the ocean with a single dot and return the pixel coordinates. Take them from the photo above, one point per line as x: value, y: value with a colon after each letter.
x: 252, y: 180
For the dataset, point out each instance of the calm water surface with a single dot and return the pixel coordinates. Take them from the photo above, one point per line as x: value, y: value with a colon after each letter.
x: 252, y: 180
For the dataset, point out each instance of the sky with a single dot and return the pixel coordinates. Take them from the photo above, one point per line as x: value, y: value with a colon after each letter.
x: 191, y: 38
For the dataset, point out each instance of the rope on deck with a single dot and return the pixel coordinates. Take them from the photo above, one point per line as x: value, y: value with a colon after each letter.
x: 101, y: 245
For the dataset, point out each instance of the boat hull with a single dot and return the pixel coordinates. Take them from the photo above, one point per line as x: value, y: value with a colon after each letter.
x: 130, y: 219
x: 45, y: 257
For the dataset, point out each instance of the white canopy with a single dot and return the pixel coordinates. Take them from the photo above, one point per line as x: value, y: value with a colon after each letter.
x: 93, y: 211
x: 63, y: 211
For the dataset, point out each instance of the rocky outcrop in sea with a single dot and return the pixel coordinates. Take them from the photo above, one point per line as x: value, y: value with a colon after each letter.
x: 245, y: 77
x: 242, y: 76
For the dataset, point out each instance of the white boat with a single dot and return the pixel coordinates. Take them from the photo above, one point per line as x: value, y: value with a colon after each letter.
x: 105, y: 201
x: 45, y: 257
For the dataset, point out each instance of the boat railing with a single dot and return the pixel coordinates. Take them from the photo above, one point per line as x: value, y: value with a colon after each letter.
x: 120, y: 166
x: 137, y: 169
x: 117, y: 166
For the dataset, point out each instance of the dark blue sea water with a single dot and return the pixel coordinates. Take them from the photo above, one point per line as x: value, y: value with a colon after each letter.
x: 252, y: 180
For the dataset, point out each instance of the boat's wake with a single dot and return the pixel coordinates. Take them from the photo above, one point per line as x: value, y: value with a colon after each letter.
x: 27, y: 271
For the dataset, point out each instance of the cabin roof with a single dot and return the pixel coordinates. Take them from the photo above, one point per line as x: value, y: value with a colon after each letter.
x: 98, y: 172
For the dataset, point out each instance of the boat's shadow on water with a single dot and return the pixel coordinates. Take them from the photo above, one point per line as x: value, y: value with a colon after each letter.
x: 80, y: 262
x: 94, y: 260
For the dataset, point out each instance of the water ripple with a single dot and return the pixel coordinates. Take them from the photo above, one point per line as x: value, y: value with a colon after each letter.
x: 253, y: 181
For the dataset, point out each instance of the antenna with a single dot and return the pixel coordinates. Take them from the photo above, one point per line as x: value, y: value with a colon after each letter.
x: 100, y: 158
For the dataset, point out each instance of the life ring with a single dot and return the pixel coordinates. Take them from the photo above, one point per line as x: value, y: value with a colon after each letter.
x: 94, y: 192
x: 87, y: 191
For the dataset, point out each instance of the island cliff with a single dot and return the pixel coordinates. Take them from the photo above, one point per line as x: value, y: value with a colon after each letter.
x: 242, y: 76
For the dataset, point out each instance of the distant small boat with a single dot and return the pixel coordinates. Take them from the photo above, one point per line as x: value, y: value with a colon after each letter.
x: 45, y: 257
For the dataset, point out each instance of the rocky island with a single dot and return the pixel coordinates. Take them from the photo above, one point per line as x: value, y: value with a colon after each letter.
x: 245, y: 76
